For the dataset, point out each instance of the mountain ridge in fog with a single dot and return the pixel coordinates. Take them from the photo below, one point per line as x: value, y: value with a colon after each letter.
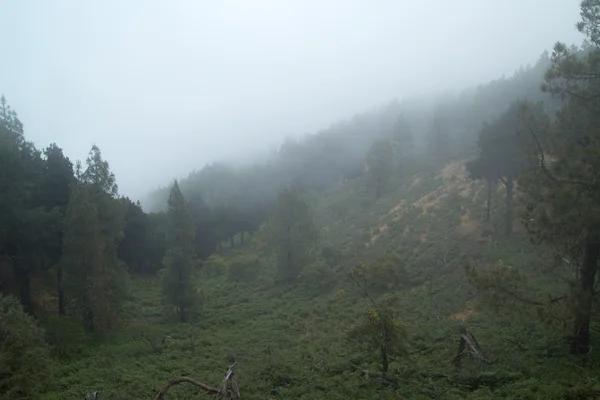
x: 339, y: 149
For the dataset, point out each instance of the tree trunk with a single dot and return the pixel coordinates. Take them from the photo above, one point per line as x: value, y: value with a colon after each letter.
x: 22, y: 275
x: 384, y: 359
x: 508, y: 227
x: 88, y: 320
x: 220, y: 248
x: 181, y: 287
x: 242, y: 238
x: 59, y: 290
x: 25, y: 291
x: 489, y: 201
x: 290, y: 271
x: 585, y: 295
x: 231, y: 241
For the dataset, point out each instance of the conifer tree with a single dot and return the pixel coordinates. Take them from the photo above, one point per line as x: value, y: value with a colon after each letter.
x: 95, y: 221
x: 178, y: 261
x: 380, y: 159
x: 292, y: 233
x: 563, y: 187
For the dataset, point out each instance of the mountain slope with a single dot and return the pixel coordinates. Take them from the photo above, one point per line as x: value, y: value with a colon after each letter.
x: 291, y: 341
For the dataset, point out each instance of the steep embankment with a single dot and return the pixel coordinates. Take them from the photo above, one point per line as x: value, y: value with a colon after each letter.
x: 290, y: 342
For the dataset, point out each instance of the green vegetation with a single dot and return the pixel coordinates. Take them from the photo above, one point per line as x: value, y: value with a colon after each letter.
x: 291, y: 233
x: 392, y: 271
x: 179, y: 268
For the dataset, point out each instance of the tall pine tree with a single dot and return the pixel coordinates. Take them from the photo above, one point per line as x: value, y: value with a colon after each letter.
x: 292, y: 233
x: 95, y: 220
x: 179, y: 259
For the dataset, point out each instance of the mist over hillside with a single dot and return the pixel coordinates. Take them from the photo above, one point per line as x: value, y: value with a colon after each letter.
x: 318, y: 160
x: 444, y: 244
x: 188, y: 84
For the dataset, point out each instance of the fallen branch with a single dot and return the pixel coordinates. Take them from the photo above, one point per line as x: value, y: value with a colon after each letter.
x: 182, y: 379
x: 231, y: 379
x: 467, y: 340
x: 220, y: 392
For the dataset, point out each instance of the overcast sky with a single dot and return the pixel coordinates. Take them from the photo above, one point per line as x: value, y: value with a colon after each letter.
x: 164, y: 86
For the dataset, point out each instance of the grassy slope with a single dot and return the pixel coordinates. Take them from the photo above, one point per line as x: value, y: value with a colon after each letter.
x: 290, y: 342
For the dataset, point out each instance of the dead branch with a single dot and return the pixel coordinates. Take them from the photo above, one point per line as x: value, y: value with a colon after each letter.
x: 182, y: 379
x: 232, y: 381
x: 227, y: 389
x: 468, y: 342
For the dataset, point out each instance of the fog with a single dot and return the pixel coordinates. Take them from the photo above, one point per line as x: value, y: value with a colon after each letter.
x: 163, y: 87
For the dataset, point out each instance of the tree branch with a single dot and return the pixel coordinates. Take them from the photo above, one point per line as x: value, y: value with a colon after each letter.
x: 523, y: 299
x: 364, y: 288
x: 182, y: 379
x: 545, y: 168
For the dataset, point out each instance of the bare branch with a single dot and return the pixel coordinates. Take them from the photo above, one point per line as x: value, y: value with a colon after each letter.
x: 182, y: 379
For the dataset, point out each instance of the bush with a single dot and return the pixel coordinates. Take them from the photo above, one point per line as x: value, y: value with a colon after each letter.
x: 244, y: 267
x: 318, y: 274
x: 214, y: 266
x: 331, y: 255
x: 24, y: 354
x: 388, y: 272
x: 66, y: 335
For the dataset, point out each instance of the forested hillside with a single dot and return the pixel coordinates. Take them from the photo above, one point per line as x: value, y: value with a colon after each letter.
x: 433, y: 248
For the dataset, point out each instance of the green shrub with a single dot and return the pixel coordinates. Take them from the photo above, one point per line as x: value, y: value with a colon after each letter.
x: 318, y: 274
x: 387, y: 272
x: 244, y: 267
x: 24, y: 355
x: 66, y: 335
x: 215, y: 266
x: 331, y: 255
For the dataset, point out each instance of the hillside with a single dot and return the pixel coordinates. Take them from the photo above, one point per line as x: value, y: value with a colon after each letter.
x: 291, y: 342
x: 438, y: 248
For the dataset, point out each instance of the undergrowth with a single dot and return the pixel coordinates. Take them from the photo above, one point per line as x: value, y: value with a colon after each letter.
x: 290, y: 342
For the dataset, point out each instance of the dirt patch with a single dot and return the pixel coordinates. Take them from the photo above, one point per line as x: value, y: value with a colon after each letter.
x: 455, y: 173
x: 381, y: 231
x: 455, y: 180
x: 415, y: 181
x: 429, y: 201
x: 398, y: 209
x: 463, y: 315
x: 468, y: 226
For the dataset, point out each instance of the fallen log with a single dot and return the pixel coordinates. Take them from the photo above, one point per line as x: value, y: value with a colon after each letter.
x: 182, y: 379
x: 227, y: 389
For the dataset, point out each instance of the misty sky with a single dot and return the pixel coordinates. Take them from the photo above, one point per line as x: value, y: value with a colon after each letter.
x: 162, y: 87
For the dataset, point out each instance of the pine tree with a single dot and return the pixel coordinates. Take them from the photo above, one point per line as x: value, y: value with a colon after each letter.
x: 95, y: 221
x: 380, y: 159
x: 502, y: 155
x: 178, y: 261
x: 292, y: 233
x: 23, y: 221
x: 83, y: 251
x: 56, y: 191
x: 562, y: 187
